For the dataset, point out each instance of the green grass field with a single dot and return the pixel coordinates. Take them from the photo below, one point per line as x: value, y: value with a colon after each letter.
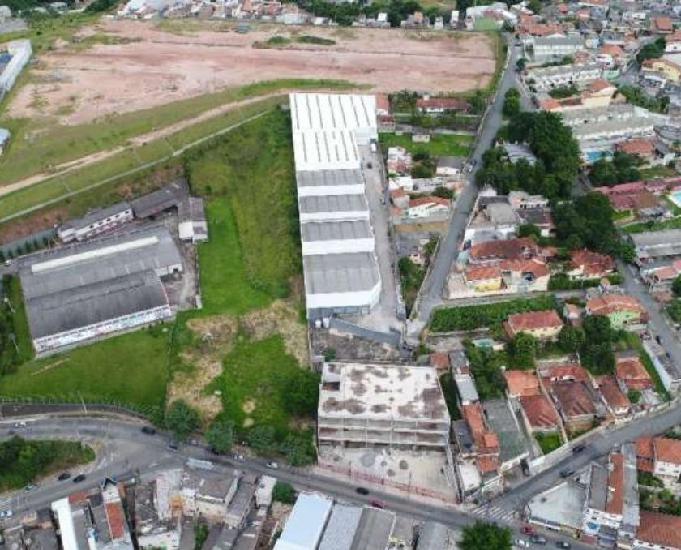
x: 254, y: 377
x: 548, y: 442
x: 440, y: 145
x: 23, y: 336
x: 130, y: 369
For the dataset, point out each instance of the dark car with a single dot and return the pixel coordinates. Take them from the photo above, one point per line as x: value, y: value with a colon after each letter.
x: 567, y: 472
x: 79, y: 478
x: 377, y: 504
x: 63, y: 476
x: 148, y: 430
x: 537, y: 539
x: 362, y: 491
x: 578, y: 448
x: 528, y: 530
x: 173, y: 445
x: 562, y: 544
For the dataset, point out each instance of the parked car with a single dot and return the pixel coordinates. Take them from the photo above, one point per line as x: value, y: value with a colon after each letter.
x: 538, y: 539
x: 566, y: 473
x: 148, y: 430
x: 29, y: 487
x: 79, y: 478
x: 5, y: 514
x: 63, y: 476
x: 522, y: 543
x: 578, y: 448
x: 563, y: 544
x: 173, y: 445
x: 528, y: 530
x: 377, y: 504
x: 362, y: 491
x: 272, y: 465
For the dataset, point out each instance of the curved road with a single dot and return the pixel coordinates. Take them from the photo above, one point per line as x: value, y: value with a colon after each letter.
x: 125, y: 452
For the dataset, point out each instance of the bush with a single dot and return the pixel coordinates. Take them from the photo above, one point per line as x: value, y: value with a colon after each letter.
x: 181, y: 419
x: 220, y: 436
x: 284, y: 492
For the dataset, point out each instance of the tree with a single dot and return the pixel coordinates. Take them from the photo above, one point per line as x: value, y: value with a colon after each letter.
x: 597, y: 329
x: 523, y: 350
x: 676, y: 286
x: 443, y: 192
x: 181, y: 419
x: 283, y: 492
x: 220, y: 436
x: 535, y: 6
x: 487, y: 536
x: 262, y: 439
x: 511, y: 103
x: 634, y: 396
x: 652, y: 50
x: 521, y: 64
x: 529, y: 230
x: 621, y: 168
x: 302, y: 393
x: 570, y: 339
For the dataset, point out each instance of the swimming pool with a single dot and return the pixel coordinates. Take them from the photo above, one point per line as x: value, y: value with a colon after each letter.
x: 675, y: 197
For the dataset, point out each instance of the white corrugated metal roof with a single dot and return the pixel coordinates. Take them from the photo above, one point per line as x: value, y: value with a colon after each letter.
x: 306, y: 523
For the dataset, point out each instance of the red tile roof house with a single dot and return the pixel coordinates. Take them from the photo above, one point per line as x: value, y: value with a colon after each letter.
x: 486, y: 441
x: 631, y: 374
x: 621, y: 309
x: 643, y: 148
x: 660, y: 456
x: 520, y: 383
x: 434, y: 105
x: 540, y: 413
x: 658, y: 531
x: 585, y: 264
x: 543, y: 325
x: 382, y: 105
x: 662, y: 24
x: 511, y: 249
x: 576, y: 404
x: 618, y: 403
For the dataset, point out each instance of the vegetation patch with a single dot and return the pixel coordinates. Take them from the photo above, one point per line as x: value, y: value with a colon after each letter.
x: 548, y: 442
x: 15, y: 338
x: 438, y: 146
x: 23, y: 461
x: 487, y: 315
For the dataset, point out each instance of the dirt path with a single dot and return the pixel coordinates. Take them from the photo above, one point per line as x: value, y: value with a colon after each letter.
x: 135, y: 142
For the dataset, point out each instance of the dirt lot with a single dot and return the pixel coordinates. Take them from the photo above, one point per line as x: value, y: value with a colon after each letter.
x: 143, y: 66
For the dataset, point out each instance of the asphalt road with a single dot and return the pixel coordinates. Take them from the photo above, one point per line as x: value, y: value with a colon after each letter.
x: 125, y: 452
x: 433, y: 286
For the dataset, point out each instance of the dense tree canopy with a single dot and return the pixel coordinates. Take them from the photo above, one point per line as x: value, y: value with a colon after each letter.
x: 511, y: 103
x: 220, y: 436
x: 181, y: 419
x: 485, y: 536
x: 621, y: 168
x: 652, y: 50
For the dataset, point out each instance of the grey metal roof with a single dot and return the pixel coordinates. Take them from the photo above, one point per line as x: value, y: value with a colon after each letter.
x: 433, y: 536
x: 330, y: 273
x: 375, y: 528
x: 657, y: 238
x: 341, y: 527
x: 96, y: 216
x: 332, y: 203
x: 326, y: 178
x: 335, y: 230
x: 94, y: 303
x: 502, y: 420
x: 83, y: 267
x: 598, y: 487
x: 158, y: 201
x: 192, y: 209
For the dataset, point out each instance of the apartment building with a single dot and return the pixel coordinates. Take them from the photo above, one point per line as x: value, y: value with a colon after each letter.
x: 547, y: 78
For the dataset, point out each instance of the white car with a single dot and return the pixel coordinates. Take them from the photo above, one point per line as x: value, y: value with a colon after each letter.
x: 522, y: 543
x: 5, y: 514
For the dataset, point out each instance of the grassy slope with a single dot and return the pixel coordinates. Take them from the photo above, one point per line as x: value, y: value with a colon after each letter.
x: 440, y: 145
x: 129, y: 369
x: 55, y: 144
x: 23, y: 336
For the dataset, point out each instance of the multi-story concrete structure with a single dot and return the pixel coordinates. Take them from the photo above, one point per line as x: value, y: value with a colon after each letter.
x: 95, y: 223
x: 340, y: 267
x: 547, y: 78
x: 545, y: 47
x: 382, y: 405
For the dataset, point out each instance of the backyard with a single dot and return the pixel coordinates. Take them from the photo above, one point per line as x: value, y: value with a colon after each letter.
x: 440, y: 144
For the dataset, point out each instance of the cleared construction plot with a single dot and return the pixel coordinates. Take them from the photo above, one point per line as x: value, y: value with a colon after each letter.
x: 146, y: 66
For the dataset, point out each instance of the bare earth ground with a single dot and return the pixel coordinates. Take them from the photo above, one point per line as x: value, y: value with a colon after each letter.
x: 151, y: 67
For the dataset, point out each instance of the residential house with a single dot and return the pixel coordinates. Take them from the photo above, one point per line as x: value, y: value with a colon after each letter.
x: 466, y: 390
x: 540, y: 413
x: 425, y: 207
x: 616, y: 401
x: 621, y: 309
x: 665, y: 67
x: 576, y: 404
x: 491, y: 252
x: 658, y: 531
x: 631, y: 373
x: 673, y: 43
x: 585, y: 264
x: 642, y: 148
x: 543, y: 47
x: 544, y: 79
x: 382, y: 105
x: 660, y: 456
x: 651, y: 245
x: 661, y: 25
x: 543, y: 325
x: 486, y: 442
x: 450, y: 167
x: 439, y: 105
x: 662, y: 277
x: 399, y: 161
x: 520, y: 383
x: 207, y: 494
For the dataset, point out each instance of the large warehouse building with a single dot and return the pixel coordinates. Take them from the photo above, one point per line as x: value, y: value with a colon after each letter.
x: 339, y: 260
x: 95, y: 289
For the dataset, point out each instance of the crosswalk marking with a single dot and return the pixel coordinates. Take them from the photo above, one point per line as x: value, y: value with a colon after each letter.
x: 493, y: 513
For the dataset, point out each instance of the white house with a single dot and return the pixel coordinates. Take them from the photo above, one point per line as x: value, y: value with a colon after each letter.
x: 423, y: 207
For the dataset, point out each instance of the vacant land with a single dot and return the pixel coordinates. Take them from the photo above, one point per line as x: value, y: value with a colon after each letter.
x: 22, y: 462
x: 145, y: 66
x: 439, y: 145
